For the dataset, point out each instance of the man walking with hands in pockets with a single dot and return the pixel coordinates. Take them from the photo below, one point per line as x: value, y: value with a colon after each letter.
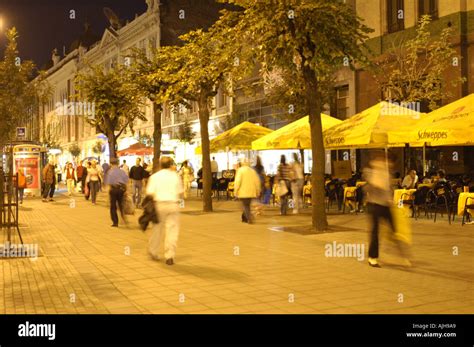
x: 166, y: 189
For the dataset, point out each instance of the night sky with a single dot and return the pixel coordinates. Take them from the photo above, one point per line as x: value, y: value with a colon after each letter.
x: 45, y: 24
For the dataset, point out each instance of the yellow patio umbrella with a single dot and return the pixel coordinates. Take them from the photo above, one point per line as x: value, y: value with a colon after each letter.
x: 369, y: 128
x: 296, y: 135
x: 238, y: 138
x: 450, y: 125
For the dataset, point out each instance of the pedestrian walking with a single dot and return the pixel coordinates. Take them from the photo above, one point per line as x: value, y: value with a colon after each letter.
x: 48, y: 179
x: 117, y: 180
x: 93, y: 179
x: 247, y: 186
x: 137, y: 174
x: 187, y: 175
x: 166, y: 189
x: 379, y: 200
x: 21, y: 185
x: 297, y: 182
x: 283, y: 179
x: 105, y: 168
x: 71, y: 178
x: 125, y: 168
x: 80, y: 172
x: 85, y: 183
x: 260, y: 170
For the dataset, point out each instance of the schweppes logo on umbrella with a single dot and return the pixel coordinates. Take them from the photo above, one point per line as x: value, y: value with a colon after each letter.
x: 334, y: 140
x: 432, y: 135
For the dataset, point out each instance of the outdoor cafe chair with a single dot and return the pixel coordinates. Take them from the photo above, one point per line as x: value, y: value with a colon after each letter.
x: 443, y: 201
x: 333, y: 193
x: 421, y: 201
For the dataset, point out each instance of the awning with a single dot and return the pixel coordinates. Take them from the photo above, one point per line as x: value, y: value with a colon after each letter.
x: 296, y: 135
x: 369, y: 128
x: 450, y: 125
x: 238, y: 138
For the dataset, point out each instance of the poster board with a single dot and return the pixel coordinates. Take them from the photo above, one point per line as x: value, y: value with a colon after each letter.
x: 342, y: 169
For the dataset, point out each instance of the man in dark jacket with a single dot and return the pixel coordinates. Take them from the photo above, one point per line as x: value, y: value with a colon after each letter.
x: 137, y: 174
x: 48, y: 180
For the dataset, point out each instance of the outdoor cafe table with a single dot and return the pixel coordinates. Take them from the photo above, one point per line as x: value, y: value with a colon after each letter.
x: 462, y: 202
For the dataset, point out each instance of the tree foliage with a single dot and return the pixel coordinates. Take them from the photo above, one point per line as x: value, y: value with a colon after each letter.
x: 193, y: 73
x: 117, y: 100
x: 413, y: 69
x: 17, y: 96
x: 75, y: 150
x: 185, y: 132
x: 306, y: 42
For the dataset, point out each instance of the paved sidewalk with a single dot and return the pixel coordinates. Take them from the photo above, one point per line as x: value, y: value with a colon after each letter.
x: 224, y: 266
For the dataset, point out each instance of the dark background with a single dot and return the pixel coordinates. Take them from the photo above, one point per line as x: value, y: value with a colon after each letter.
x: 45, y: 24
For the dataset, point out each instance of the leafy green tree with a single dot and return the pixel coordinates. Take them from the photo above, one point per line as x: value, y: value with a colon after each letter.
x: 43, y: 90
x: 306, y: 41
x: 413, y: 69
x: 51, y: 135
x: 75, y: 150
x: 151, y: 77
x: 116, y: 98
x: 194, y: 73
x: 17, y: 96
x: 98, y: 147
x: 185, y: 132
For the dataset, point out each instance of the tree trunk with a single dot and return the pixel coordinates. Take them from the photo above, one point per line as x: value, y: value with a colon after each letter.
x: 157, y: 134
x: 112, y: 145
x: 206, y: 155
x: 313, y: 104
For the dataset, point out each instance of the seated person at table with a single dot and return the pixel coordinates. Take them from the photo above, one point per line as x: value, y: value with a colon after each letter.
x: 352, y: 182
x: 410, y: 180
x: 442, y: 181
x: 442, y: 176
x: 425, y: 180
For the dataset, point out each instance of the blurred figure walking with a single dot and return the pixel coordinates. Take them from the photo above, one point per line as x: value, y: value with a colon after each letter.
x: 117, y: 181
x: 297, y: 182
x: 379, y: 201
x: 247, y: 186
x: 21, y: 185
x: 81, y: 172
x: 283, y: 179
x: 166, y: 189
x: 71, y: 178
x: 187, y: 175
x: 260, y: 170
x: 93, y: 178
x: 48, y: 179
x: 137, y: 174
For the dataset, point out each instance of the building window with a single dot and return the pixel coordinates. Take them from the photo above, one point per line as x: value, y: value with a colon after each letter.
x: 340, y: 102
x: 395, y: 15
x: 221, y: 98
x: 429, y: 7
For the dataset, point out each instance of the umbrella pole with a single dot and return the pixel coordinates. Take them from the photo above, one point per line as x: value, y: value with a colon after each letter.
x: 424, y: 158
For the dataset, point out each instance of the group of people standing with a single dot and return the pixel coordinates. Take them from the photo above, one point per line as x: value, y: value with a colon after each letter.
x: 253, y: 184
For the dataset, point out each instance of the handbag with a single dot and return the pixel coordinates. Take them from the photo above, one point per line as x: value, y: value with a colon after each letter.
x: 282, y: 188
x: 128, y: 207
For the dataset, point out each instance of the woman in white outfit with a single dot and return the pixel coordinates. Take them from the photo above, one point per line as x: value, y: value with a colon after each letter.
x: 187, y: 175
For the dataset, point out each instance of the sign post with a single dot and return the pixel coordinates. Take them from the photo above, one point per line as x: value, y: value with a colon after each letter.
x: 21, y: 133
